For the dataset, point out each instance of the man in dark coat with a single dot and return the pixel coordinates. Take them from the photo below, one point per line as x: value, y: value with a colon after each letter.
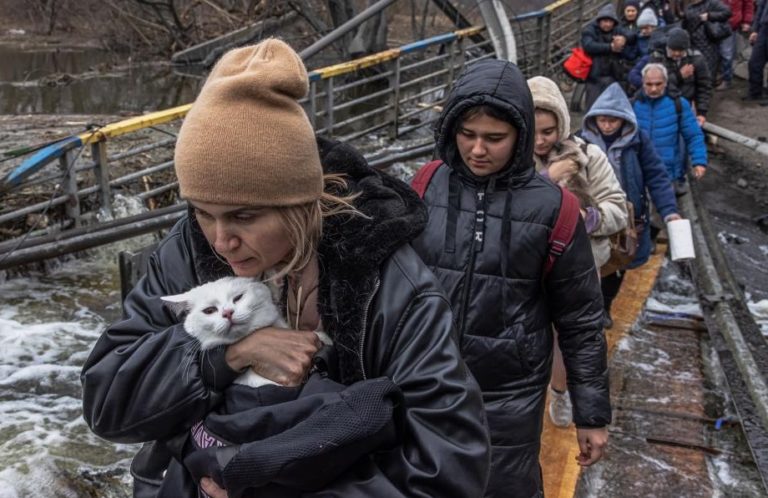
x: 610, y: 46
x: 759, y: 40
x: 490, y: 218
x: 688, y: 72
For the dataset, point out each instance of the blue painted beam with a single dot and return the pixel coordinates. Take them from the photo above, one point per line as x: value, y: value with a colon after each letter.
x: 37, y: 161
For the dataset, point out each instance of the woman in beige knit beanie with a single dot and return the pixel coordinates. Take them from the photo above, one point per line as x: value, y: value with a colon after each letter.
x: 269, y: 199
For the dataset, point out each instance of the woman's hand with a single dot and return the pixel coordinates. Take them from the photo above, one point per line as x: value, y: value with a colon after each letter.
x: 280, y: 355
x: 563, y: 170
x: 212, y: 489
x: 704, y: 16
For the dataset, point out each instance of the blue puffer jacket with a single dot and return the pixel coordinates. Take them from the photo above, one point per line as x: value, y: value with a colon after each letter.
x: 660, y: 119
x: 635, y: 161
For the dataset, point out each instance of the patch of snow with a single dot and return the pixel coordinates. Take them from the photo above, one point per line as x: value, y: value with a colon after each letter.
x: 760, y: 313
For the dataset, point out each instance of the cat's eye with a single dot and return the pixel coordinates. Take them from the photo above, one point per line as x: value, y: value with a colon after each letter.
x: 237, y: 298
x: 209, y: 310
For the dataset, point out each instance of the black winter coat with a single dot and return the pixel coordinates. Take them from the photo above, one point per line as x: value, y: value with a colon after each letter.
x: 605, y: 62
x: 717, y: 12
x: 380, y: 304
x: 492, y: 270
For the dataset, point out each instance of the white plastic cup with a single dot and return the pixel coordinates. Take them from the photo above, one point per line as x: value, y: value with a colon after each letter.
x: 680, y: 240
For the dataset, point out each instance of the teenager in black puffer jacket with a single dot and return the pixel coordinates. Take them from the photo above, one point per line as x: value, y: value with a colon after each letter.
x: 490, y: 218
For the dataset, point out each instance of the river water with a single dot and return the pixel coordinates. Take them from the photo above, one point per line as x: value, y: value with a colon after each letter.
x: 87, y: 81
x: 49, y: 321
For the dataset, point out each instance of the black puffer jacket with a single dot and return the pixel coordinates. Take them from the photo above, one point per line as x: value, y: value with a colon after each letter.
x: 380, y: 304
x: 504, y: 307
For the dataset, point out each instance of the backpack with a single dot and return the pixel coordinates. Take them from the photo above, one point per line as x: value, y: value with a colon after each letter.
x: 562, y: 232
x: 578, y: 64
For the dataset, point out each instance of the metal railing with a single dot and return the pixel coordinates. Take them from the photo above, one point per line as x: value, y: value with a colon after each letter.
x: 393, y: 92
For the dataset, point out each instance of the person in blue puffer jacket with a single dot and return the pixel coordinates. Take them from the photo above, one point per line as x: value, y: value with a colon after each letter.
x: 667, y: 120
x: 611, y: 124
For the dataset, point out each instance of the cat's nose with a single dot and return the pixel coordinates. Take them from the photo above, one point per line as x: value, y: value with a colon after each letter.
x: 227, y: 313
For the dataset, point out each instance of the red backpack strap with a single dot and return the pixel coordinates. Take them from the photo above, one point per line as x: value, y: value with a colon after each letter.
x: 565, y: 227
x: 421, y: 179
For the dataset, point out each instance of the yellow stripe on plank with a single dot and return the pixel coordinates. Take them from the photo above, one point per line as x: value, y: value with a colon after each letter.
x: 559, y: 448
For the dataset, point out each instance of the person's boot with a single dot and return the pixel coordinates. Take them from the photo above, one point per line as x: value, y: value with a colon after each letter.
x: 560, y: 409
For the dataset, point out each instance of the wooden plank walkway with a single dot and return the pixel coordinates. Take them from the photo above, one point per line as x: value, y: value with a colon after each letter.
x: 558, y: 446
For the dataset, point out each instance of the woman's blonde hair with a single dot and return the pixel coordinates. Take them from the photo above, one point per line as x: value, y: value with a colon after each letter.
x: 304, y: 222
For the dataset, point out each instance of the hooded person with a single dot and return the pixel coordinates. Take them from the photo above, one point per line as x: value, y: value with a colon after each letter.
x: 585, y: 171
x: 611, y: 47
x: 399, y: 412
x: 487, y: 240
x: 630, y: 15
x: 611, y: 125
x: 557, y: 150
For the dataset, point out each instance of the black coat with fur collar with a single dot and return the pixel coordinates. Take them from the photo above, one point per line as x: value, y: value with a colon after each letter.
x: 379, y: 303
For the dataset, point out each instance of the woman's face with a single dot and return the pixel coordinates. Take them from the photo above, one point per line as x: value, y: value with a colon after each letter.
x: 485, y: 143
x: 630, y: 13
x: 251, y: 239
x: 608, y: 124
x: 547, y: 133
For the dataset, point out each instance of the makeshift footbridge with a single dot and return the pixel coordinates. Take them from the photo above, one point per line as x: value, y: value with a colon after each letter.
x: 391, y: 95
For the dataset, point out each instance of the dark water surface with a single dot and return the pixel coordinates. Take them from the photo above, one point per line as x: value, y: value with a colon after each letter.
x: 61, y: 80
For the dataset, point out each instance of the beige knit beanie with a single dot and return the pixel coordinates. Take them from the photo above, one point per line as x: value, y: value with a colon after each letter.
x: 246, y: 140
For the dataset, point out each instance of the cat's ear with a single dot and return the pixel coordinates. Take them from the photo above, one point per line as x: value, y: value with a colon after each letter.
x: 178, y: 303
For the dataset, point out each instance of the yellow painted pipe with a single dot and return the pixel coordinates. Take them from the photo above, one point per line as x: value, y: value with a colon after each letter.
x: 134, y: 123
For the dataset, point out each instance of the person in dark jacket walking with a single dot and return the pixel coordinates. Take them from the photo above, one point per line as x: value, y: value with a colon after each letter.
x: 611, y: 124
x: 487, y: 239
x: 688, y: 72
x: 266, y: 196
x: 629, y: 17
x: 610, y: 47
x: 759, y: 58
x: 740, y: 22
x: 699, y: 13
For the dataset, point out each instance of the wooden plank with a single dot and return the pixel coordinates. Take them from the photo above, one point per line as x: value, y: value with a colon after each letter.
x: 558, y: 446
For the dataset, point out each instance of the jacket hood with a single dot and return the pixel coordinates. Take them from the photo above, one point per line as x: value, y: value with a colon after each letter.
x: 499, y: 84
x: 394, y: 213
x: 612, y: 102
x: 607, y: 12
x: 546, y: 95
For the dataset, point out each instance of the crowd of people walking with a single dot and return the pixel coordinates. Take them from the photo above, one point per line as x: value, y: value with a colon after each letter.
x: 456, y: 308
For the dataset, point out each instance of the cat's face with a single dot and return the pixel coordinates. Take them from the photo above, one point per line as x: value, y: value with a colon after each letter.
x: 226, y: 310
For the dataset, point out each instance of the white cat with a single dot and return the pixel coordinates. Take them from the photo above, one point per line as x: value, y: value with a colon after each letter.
x: 226, y: 310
